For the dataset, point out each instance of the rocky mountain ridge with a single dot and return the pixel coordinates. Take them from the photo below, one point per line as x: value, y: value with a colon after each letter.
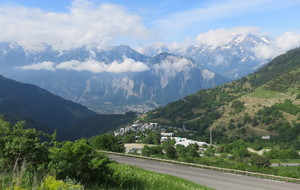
x: 107, y: 80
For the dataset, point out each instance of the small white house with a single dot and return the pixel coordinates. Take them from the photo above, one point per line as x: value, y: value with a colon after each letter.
x: 163, y: 134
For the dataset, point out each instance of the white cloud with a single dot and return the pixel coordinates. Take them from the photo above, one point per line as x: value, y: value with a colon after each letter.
x: 89, y: 65
x: 280, y: 45
x: 173, y: 64
x: 40, y: 66
x: 288, y: 40
x: 85, y: 23
x: 218, y: 37
x: 128, y: 65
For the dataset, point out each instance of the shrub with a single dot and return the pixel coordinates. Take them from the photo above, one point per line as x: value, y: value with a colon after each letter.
x: 237, y: 105
x: 107, y: 142
x: 78, y: 161
x: 260, y: 161
x: 50, y: 183
x: 19, y: 146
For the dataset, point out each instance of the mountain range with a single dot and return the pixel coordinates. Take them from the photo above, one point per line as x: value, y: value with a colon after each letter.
x: 233, y: 59
x: 107, y: 80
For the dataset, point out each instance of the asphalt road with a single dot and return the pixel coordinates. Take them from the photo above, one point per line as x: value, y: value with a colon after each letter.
x: 209, y: 178
x: 285, y: 164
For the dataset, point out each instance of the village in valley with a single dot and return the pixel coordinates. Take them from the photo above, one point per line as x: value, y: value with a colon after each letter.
x: 137, y: 135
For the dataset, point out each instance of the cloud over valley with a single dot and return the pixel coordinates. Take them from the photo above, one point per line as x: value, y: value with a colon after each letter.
x: 127, y: 65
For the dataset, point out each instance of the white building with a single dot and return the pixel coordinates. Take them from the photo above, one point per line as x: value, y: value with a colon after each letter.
x: 163, y: 134
x: 183, y: 141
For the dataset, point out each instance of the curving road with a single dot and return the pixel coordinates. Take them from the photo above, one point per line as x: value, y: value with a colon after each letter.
x: 209, y: 178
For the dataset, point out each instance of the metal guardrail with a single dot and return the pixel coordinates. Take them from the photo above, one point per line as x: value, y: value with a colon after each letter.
x: 256, y: 174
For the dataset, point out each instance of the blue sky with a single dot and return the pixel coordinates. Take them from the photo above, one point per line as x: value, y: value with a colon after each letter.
x: 103, y: 22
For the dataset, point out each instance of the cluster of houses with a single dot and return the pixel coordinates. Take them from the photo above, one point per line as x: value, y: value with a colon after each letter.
x: 137, y: 127
x: 179, y: 140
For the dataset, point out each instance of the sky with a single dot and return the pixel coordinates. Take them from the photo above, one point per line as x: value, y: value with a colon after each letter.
x: 73, y: 23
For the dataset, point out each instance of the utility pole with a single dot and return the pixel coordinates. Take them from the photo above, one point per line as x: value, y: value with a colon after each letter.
x: 210, y: 135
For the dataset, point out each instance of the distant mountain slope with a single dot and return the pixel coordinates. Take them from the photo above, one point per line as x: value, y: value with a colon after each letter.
x: 29, y: 102
x: 111, y: 80
x: 99, y: 124
x: 264, y: 103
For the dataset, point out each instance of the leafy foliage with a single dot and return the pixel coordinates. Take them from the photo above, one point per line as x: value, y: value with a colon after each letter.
x: 107, y: 142
x: 288, y: 107
x: 282, y: 154
x: 260, y: 161
x: 152, y: 151
x: 77, y: 160
x: 237, y: 105
x: 19, y: 146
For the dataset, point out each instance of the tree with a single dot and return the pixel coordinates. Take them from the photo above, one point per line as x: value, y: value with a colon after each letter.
x: 146, y: 150
x: 193, y: 152
x: 170, y: 152
x: 108, y: 142
x: 77, y: 160
x: 152, y: 150
x: 260, y: 161
x: 129, y: 138
x: 237, y: 105
x: 169, y: 149
x: 20, y: 146
x: 153, y: 138
x: 209, y: 152
x: 240, y: 153
x: 181, y: 150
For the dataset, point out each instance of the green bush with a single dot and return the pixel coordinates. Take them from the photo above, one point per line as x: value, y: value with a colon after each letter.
x: 260, y: 161
x: 288, y: 107
x: 51, y: 183
x: 237, y: 105
x: 78, y: 161
x: 107, y: 142
x: 19, y: 146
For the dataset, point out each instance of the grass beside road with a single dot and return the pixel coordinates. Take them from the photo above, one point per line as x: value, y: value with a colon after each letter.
x: 138, y: 178
x: 129, y: 178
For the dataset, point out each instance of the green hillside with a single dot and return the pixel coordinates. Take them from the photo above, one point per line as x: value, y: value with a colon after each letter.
x: 264, y: 103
